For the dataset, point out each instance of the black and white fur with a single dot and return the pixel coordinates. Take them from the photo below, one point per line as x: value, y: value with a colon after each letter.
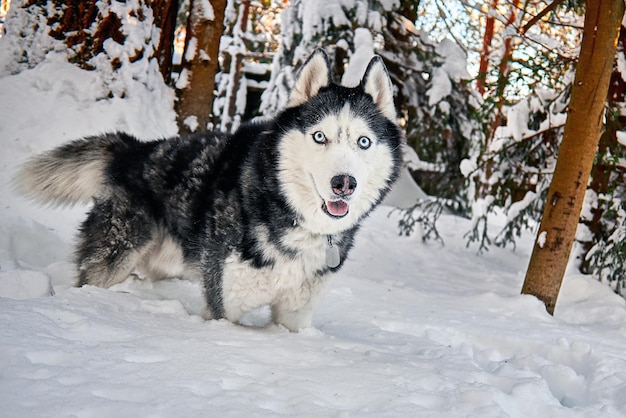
x: 262, y: 217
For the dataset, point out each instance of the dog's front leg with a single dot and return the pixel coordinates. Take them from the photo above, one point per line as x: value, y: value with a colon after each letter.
x: 294, y: 321
x: 294, y: 308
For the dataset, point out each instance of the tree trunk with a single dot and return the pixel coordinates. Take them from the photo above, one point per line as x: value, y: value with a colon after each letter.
x: 484, y: 184
x: 199, y: 65
x: 503, y: 79
x: 229, y: 122
x: 165, y: 19
x: 577, y: 151
x: 483, y: 67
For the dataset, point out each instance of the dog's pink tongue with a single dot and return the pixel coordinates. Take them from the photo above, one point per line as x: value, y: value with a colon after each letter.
x: 337, y: 208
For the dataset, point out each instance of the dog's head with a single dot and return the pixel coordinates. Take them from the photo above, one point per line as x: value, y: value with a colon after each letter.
x: 340, y: 148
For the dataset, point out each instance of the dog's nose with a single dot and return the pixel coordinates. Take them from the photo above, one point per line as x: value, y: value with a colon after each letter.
x: 343, y: 185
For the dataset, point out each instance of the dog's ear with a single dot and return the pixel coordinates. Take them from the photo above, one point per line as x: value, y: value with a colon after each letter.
x: 376, y: 83
x: 314, y: 74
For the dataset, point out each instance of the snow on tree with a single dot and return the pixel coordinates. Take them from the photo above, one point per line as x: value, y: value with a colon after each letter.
x: 246, y: 49
x: 521, y: 157
x: 431, y: 93
x: 511, y: 166
x: 306, y: 25
x: 118, y: 40
x: 233, y: 83
x: 524, y: 77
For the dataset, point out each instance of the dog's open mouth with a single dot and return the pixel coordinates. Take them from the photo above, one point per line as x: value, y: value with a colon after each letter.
x: 336, y: 208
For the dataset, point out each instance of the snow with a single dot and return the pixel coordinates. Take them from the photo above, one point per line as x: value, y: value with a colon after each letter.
x: 467, y: 167
x: 455, y: 60
x: 453, y: 67
x: 389, y: 4
x: 407, y: 328
x: 542, y: 238
x: 406, y: 193
x: 204, y: 9
x: 441, y: 87
x: 518, y: 117
x: 183, y: 79
x: 192, y: 46
x: 516, y: 207
x: 317, y: 16
x: 191, y: 122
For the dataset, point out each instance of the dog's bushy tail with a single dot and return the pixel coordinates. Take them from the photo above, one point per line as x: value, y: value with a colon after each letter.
x: 72, y: 173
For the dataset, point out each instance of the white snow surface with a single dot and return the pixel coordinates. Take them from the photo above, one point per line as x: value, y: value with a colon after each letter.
x: 407, y: 328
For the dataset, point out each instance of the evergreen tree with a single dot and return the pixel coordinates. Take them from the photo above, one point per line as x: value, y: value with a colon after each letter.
x: 246, y: 50
x: 525, y: 93
x: 511, y: 165
x: 115, y: 39
x: 520, y: 159
x: 432, y: 97
x: 603, y: 231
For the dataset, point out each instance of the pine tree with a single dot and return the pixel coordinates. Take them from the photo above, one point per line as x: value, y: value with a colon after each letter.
x: 432, y: 96
x: 526, y: 91
x: 517, y: 164
x: 233, y: 81
x: 247, y: 46
x: 306, y: 25
x: 115, y: 39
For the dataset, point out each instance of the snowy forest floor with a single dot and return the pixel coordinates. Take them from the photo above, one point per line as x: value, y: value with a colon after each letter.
x: 407, y: 329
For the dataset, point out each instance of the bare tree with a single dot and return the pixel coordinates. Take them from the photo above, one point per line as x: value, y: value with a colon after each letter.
x: 577, y: 151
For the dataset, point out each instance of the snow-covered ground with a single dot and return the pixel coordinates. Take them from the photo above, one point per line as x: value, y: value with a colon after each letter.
x: 407, y: 329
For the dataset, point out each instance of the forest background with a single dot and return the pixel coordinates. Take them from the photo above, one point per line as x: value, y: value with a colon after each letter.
x: 482, y: 90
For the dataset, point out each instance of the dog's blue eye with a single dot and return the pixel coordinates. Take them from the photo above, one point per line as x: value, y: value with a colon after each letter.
x: 364, y: 142
x: 319, y: 137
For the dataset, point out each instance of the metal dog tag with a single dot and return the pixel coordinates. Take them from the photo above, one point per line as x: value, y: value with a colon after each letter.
x: 332, y: 254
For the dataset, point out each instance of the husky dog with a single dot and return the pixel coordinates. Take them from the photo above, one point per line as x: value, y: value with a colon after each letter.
x: 260, y: 217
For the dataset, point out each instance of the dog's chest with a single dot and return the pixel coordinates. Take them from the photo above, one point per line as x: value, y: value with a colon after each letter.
x: 294, y: 266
